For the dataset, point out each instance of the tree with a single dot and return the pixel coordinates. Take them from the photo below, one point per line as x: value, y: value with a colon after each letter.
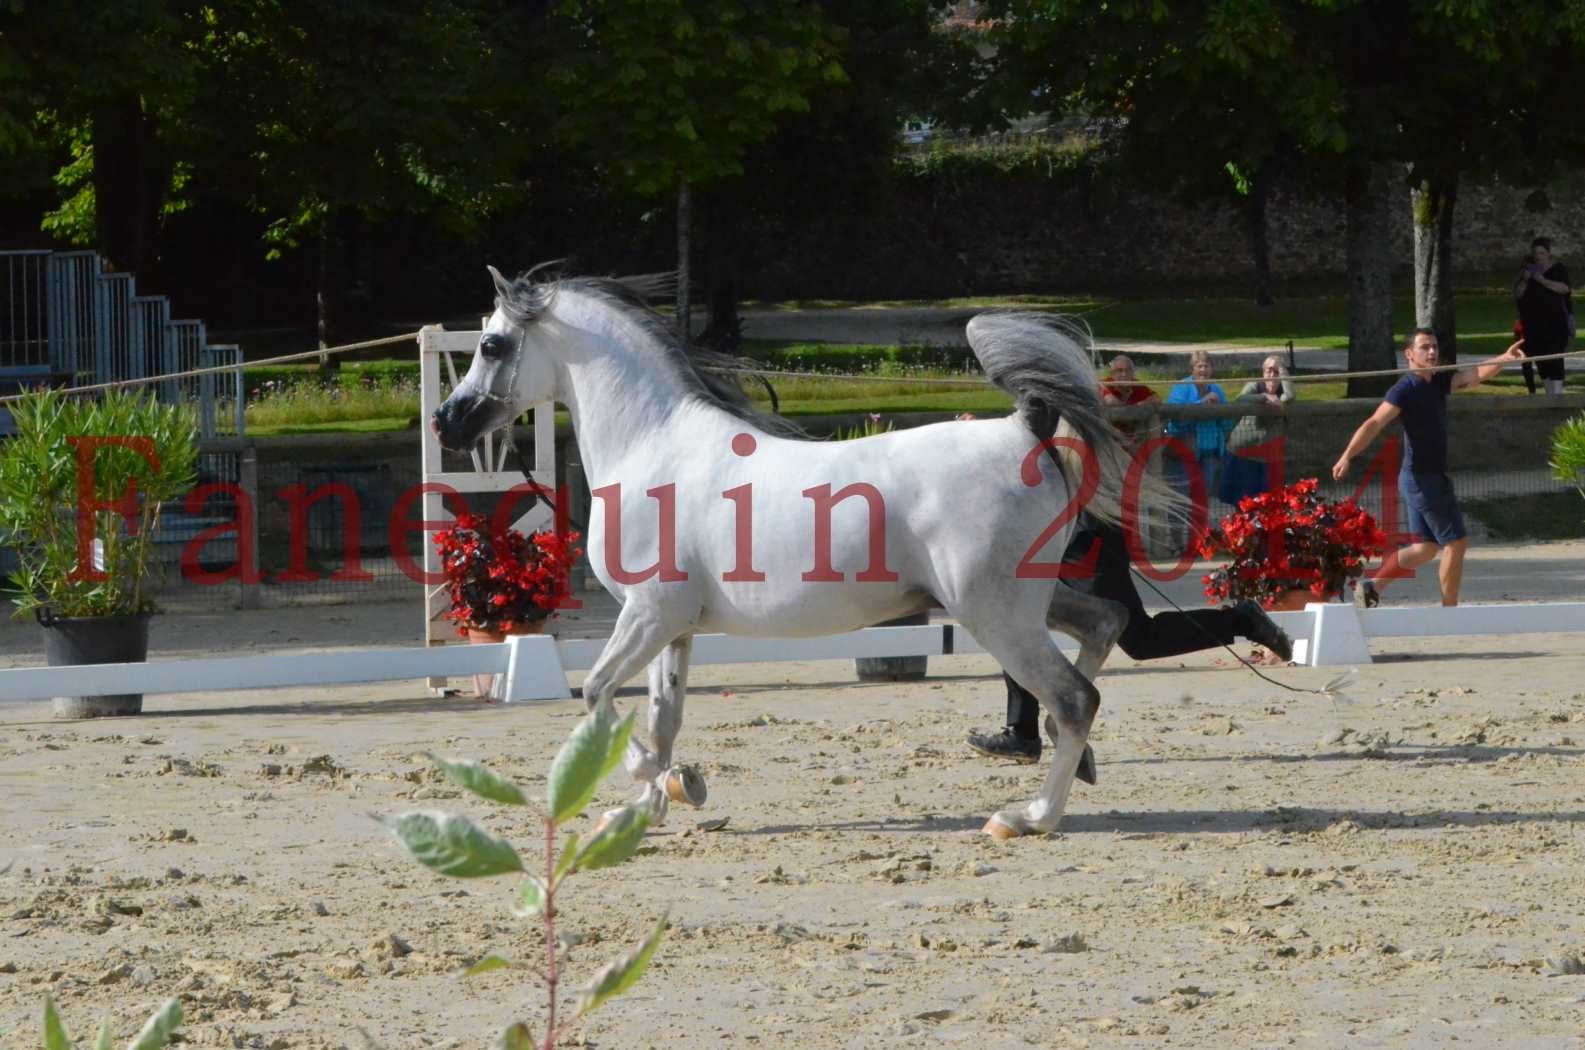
x: 666, y: 96
x: 836, y: 156
x: 427, y: 111
x: 1196, y: 87
x: 1481, y: 114
x: 308, y: 114
x: 115, y: 76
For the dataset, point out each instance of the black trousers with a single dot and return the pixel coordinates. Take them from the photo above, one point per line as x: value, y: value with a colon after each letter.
x: 1146, y: 637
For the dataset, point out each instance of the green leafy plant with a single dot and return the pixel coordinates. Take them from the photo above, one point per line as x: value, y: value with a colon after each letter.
x: 142, y: 454
x: 1568, y: 453
x: 456, y: 847
x: 156, y: 1032
x: 871, y: 426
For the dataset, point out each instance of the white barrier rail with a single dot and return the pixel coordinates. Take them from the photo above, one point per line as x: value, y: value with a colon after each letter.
x: 530, y: 667
x: 534, y: 667
x: 1336, y: 634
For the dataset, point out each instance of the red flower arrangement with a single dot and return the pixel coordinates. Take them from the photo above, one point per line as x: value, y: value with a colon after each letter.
x: 1287, y: 539
x: 499, y: 579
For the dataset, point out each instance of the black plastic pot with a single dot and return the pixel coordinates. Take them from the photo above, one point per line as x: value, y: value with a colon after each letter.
x: 96, y: 640
x: 894, y: 668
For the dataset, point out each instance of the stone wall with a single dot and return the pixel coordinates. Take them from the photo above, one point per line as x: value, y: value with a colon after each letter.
x: 1005, y: 232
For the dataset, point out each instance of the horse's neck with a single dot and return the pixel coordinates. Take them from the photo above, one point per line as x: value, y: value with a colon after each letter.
x: 623, y: 395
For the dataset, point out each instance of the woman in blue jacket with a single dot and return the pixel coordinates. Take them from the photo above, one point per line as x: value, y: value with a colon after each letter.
x: 1206, y: 438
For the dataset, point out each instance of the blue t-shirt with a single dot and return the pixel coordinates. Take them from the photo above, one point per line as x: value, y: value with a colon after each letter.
x: 1422, y: 404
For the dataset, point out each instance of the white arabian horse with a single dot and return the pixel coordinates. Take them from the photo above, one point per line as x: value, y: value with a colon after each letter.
x: 727, y: 524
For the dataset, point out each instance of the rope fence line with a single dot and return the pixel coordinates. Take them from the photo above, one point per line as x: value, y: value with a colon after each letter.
x: 214, y: 369
x: 1313, y: 377
x: 1318, y: 377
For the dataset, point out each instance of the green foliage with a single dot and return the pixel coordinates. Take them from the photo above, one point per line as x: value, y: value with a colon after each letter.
x: 1568, y: 453
x: 481, y: 780
x: 672, y: 92
x: 621, y: 974
x: 456, y: 847
x: 871, y: 426
x: 1074, y: 158
x: 39, y: 498
x: 302, y: 400
x: 588, y: 756
x: 156, y: 1032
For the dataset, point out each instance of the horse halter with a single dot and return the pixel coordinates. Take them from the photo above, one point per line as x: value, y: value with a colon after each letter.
x: 511, y: 379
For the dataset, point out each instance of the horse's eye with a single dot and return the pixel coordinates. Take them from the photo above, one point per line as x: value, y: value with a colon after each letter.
x: 493, y: 347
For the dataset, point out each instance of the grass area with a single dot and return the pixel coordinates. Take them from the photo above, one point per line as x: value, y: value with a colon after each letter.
x: 290, y: 405
x: 1547, y: 516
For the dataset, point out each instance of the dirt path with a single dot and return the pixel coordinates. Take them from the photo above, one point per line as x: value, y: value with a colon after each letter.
x: 1256, y: 868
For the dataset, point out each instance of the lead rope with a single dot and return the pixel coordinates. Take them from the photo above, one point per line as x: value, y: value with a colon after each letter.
x: 1330, y: 689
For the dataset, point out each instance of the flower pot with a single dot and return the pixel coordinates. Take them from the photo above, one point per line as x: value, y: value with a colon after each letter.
x: 96, y: 640
x: 894, y: 668
x: 1295, y: 599
x: 484, y: 684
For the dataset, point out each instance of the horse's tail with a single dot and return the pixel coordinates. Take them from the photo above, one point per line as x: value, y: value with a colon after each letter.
x: 1041, y: 360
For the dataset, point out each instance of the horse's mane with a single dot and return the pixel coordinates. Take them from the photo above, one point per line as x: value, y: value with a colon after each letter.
x: 711, y: 377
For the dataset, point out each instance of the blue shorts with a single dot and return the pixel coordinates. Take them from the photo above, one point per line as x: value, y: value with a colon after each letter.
x: 1431, y: 507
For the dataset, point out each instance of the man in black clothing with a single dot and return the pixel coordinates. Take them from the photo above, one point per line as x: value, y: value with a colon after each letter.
x: 1146, y: 637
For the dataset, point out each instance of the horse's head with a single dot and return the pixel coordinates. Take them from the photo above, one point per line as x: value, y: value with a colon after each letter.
x: 508, y: 373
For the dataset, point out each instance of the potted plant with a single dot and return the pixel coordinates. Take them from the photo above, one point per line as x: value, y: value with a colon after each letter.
x: 1568, y: 453
x: 108, y: 464
x: 1289, y: 546
x: 502, y: 582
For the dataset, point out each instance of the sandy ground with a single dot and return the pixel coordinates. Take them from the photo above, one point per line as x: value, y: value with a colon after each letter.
x: 1258, y: 867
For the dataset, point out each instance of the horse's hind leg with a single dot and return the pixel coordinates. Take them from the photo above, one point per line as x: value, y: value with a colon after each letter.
x: 1027, y: 652
x: 668, y: 684
x: 1097, y: 623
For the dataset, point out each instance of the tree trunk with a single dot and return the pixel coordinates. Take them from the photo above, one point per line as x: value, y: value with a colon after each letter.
x: 129, y: 183
x: 724, y: 333
x: 1259, y: 244
x: 684, y: 240
x: 321, y: 294
x: 1433, y: 201
x: 1370, y: 343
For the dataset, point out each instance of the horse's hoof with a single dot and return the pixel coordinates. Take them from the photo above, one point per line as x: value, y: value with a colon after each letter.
x: 605, y: 818
x: 1000, y: 830
x: 685, y: 784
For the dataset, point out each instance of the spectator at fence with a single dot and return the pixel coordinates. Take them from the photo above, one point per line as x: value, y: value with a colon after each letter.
x: 1122, y: 387
x: 1243, y: 476
x: 1206, y: 438
x: 1546, y: 313
x: 1420, y: 397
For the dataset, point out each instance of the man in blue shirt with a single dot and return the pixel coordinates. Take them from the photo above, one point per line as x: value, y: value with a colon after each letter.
x: 1420, y: 398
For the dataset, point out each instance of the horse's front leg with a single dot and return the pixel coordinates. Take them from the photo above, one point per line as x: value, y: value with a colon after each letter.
x: 668, y: 685
x: 643, y: 630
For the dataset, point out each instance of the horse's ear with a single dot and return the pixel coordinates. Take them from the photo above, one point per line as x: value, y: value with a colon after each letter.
x: 503, y: 287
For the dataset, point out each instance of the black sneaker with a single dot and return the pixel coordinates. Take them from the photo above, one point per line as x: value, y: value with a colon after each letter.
x: 1366, y: 596
x: 1007, y: 744
x: 1262, y: 630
